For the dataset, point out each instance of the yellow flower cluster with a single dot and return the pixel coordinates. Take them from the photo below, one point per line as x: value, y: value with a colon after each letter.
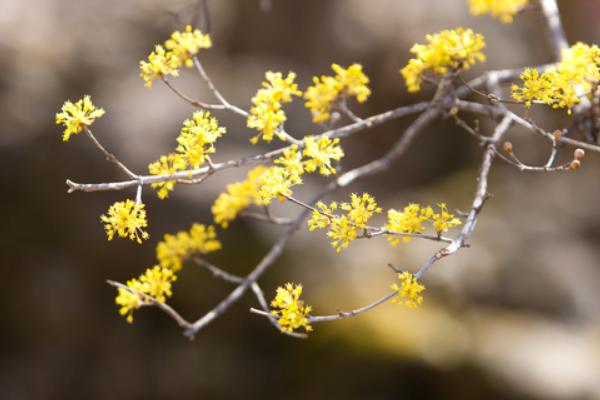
x: 292, y: 314
x: 360, y: 209
x: 154, y: 282
x: 126, y: 219
x: 409, y: 291
x: 197, y: 138
x: 195, y: 142
x: 166, y: 165
x: 320, y: 153
x: 185, y: 45
x: 171, y: 254
x: 563, y: 85
x: 291, y: 161
x: 160, y: 64
x: 180, y: 49
x: 238, y: 196
x: 344, y: 229
x: 444, y: 220
x: 75, y: 116
x: 266, y: 114
x: 446, y: 50
x: 173, y: 250
x: 276, y: 182
x: 326, y: 90
x: 504, y: 10
x: 411, y: 220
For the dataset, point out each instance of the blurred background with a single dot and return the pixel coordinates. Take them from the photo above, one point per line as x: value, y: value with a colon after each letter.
x: 516, y: 316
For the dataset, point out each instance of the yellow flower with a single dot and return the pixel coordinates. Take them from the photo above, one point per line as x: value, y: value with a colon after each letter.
x: 239, y: 195
x: 535, y: 87
x: 203, y: 239
x: 409, y: 221
x: 276, y: 182
x: 321, y: 97
x: 291, y: 162
x: 266, y: 114
x: 352, y: 81
x: 173, y: 250
x: 320, y: 153
x: 185, y: 45
x: 504, y: 10
x: 292, y: 314
x: 129, y: 300
x: 160, y: 63
x: 342, y: 231
x: 360, y: 209
x: 321, y: 217
x: 74, y: 117
x: 197, y: 137
x: 443, y: 220
x: 448, y: 49
x: 562, y: 86
x: 156, y: 282
x: 166, y: 165
x: 126, y: 219
x: 409, y: 291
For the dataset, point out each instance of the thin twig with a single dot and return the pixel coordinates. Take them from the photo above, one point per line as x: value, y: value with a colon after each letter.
x: 194, y: 102
x: 218, y: 272
x: 226, y: 104
x: 109, y: 156
x: 182, y: 322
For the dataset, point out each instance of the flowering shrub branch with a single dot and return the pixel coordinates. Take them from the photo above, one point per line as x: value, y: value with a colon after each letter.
x: 571, y: 83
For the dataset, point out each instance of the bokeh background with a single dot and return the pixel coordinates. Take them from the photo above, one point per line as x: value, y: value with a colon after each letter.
x: 516, y: 316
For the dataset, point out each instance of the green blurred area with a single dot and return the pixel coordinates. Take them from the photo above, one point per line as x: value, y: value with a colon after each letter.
x: 516, y: 316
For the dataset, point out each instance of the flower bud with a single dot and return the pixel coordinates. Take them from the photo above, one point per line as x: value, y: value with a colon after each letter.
x: 508, y: 147
x: 575, y: 164
x: 557, y: 135
x: 578, y: 154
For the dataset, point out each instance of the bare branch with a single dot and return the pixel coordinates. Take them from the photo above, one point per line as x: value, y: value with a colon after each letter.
x: 481, y: 195
x: 204, y: 170
x: 215, y: 91
x: 557, y: 37
x: 193, y: 102
x: 109, y: 156
x: 218, y: 272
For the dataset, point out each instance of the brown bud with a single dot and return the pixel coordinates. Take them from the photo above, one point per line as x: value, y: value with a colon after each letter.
x: 508, y: 147
x: 578, y: 154
x: 453, y: 111
x: 557, y: 135
x: 575, y: 164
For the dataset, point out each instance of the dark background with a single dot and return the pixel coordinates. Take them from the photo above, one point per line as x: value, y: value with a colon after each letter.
x: 514, y: 317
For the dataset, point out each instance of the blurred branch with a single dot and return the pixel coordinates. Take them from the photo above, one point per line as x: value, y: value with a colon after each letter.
x: 556, y: 33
